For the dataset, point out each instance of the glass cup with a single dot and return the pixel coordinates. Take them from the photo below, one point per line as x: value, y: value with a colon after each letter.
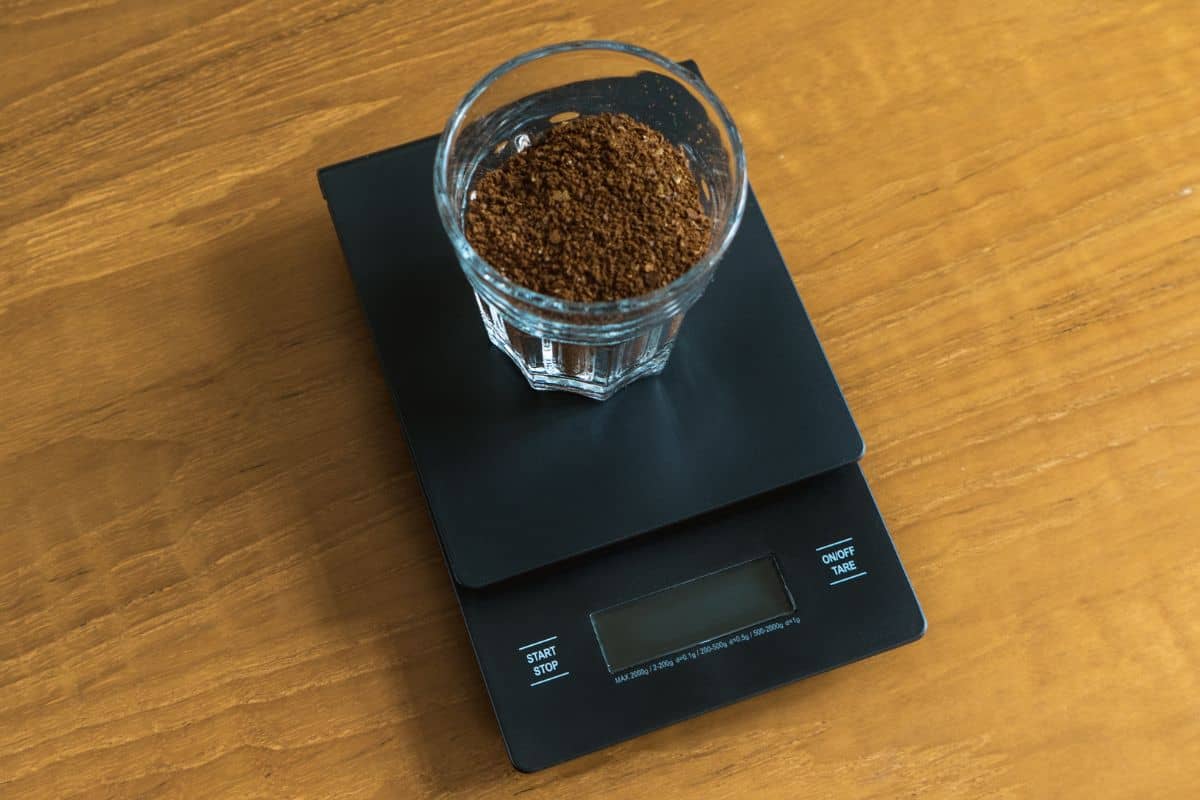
x: 590, y: 348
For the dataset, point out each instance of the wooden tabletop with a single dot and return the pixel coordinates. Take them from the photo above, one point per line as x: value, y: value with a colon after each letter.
x: 217, y: 576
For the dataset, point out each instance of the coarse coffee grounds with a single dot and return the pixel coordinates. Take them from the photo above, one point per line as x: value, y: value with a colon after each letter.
x: 598, y: 208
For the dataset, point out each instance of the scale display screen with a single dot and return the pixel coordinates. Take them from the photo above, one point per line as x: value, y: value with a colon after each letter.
x: 691, y: 613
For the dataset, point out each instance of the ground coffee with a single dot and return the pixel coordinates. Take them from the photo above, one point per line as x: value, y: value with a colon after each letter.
x: 599, y: 208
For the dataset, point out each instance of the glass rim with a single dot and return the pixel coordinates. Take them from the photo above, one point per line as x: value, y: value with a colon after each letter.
x: 486, y: 272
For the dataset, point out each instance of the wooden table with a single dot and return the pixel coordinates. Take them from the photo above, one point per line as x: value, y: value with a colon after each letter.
x: 217, y: 577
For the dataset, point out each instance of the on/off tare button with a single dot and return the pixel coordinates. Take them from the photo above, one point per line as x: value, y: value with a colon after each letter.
x: 839, y: 557
x: 542, y: 661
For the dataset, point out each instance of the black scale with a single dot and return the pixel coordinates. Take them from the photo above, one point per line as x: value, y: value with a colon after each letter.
x: 703, y: 536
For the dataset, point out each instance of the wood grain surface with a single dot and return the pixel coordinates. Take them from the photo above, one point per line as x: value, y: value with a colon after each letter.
x: 217, y: 577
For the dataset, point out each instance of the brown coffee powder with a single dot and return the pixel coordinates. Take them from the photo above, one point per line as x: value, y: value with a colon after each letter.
x: 599, y: 208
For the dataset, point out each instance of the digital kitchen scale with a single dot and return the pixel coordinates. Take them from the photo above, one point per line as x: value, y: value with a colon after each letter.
x: 703, y: 536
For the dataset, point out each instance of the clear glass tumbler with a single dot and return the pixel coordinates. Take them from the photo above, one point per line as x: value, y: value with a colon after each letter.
x: 593, y: 349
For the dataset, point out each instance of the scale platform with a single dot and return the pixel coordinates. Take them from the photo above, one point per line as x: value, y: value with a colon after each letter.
x: 703, y: 536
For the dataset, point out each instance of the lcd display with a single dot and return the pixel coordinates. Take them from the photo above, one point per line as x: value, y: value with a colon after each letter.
x: 691, y: 613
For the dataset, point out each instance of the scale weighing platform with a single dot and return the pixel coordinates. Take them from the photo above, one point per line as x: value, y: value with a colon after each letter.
x: 703, y: 536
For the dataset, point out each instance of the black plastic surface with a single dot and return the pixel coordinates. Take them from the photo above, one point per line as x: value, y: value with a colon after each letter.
x: 515, y: 479
x: 840, y: 616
